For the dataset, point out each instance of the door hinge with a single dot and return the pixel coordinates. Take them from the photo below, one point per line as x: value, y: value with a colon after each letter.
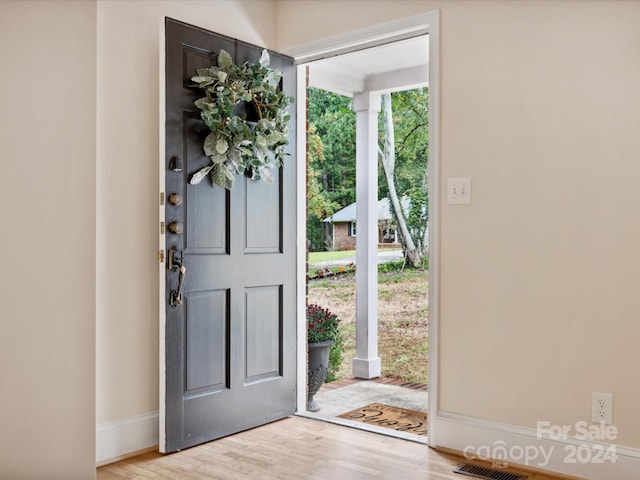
x: 161, y: 256
x: 161, y: 198
x: 161, y: 228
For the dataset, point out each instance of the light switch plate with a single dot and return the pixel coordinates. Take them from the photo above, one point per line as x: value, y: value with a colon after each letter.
x: 459, y: 190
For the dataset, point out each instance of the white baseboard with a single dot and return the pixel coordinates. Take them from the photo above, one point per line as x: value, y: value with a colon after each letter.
x: 499, y: 441
x: 121, y: 437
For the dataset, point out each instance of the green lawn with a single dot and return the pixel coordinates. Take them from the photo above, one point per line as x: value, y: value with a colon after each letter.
x: 317, y: 257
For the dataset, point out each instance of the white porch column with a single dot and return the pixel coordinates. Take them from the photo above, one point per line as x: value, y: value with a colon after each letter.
x: 366, y: 363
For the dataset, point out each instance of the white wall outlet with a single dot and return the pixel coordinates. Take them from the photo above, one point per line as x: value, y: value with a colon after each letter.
x: 602, y: 408
x: 459, y: 190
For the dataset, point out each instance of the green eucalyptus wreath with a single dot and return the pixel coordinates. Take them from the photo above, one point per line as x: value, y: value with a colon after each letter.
x: 237, y: 145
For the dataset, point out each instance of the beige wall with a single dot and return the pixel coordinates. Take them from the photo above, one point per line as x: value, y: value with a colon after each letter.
x: 127, y: 188
x: 47, y: 239
x: 539, y: 276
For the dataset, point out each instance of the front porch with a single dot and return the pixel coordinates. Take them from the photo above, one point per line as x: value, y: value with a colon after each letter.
x: 339, y: 397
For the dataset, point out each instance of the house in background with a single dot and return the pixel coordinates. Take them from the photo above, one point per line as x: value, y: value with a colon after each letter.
x: 343, y: 233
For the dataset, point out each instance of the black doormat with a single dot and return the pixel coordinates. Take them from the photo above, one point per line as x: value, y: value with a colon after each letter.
x: 395, y: 418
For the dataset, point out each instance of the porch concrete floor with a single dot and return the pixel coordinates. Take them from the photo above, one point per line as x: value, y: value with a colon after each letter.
x: 343, y: 396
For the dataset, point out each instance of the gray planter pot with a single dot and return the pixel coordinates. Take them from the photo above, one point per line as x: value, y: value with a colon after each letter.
x: 318, y: 354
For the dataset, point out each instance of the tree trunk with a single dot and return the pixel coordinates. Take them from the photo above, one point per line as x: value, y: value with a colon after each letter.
x: 413, y: 253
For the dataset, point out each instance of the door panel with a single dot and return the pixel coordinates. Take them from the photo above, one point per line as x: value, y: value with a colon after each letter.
x: 263, y: 326
x: 229, y: 359
x: 263, y: 218
x: 207, y: 335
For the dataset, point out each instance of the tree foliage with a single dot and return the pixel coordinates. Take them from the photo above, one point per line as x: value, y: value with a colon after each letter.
x: 319, y: 205
x: 331, y: 162
x: 335, y: 122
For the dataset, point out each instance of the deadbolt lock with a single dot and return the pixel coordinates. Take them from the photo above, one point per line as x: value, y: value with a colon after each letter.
x: 175, y: 199
x: 175, y: 259
x: 175, y: 227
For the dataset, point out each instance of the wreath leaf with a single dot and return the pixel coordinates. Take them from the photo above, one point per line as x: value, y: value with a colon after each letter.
x: 203, y: 80
x: 197, y: 177
x: 265, y: 60
x: 224, y: 60
x: 265, y: 175
x: 202, y: 103
x: 221, y: 176
x: 222, y: 146
x: 219, y: 158
x: 204, y: 72
x: 209, y: 146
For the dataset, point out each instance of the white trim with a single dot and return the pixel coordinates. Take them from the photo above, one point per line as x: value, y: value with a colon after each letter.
x: 360, y: 39
x: 301, y: 234
x: 161, y: 238
x: 428, y: 23
x: 398, y: 80
x: 459, y: 432
x: 433, y: 20
x: 121, y: 437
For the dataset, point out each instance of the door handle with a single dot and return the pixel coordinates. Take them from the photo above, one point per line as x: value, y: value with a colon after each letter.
x: 176, y: 264
x: 176, y: 295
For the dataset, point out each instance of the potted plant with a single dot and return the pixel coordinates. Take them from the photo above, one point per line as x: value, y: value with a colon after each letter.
x: 322, y: 332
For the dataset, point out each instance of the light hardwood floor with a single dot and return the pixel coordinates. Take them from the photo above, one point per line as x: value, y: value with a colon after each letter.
x: 296, y: 448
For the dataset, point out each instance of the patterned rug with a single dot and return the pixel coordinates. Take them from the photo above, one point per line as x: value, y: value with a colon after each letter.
x: 386, y: 416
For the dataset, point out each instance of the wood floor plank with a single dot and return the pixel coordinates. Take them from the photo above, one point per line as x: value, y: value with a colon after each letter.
x: 295, y: 448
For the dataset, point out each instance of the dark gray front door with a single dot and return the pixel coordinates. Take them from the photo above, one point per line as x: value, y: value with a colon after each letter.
x: 230, y: 352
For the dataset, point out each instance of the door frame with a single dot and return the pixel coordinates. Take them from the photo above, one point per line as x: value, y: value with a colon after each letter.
x: 162, y: 317
x: 377, y: 35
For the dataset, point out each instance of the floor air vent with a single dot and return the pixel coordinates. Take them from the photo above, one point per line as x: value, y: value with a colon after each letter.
x: 488, y: 473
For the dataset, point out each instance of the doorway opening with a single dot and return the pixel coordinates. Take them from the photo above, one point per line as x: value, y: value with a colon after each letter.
x: 402, y: 264
x: 377, y: 69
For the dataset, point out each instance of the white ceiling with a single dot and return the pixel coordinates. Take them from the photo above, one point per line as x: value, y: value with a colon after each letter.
x: 395, y: 66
